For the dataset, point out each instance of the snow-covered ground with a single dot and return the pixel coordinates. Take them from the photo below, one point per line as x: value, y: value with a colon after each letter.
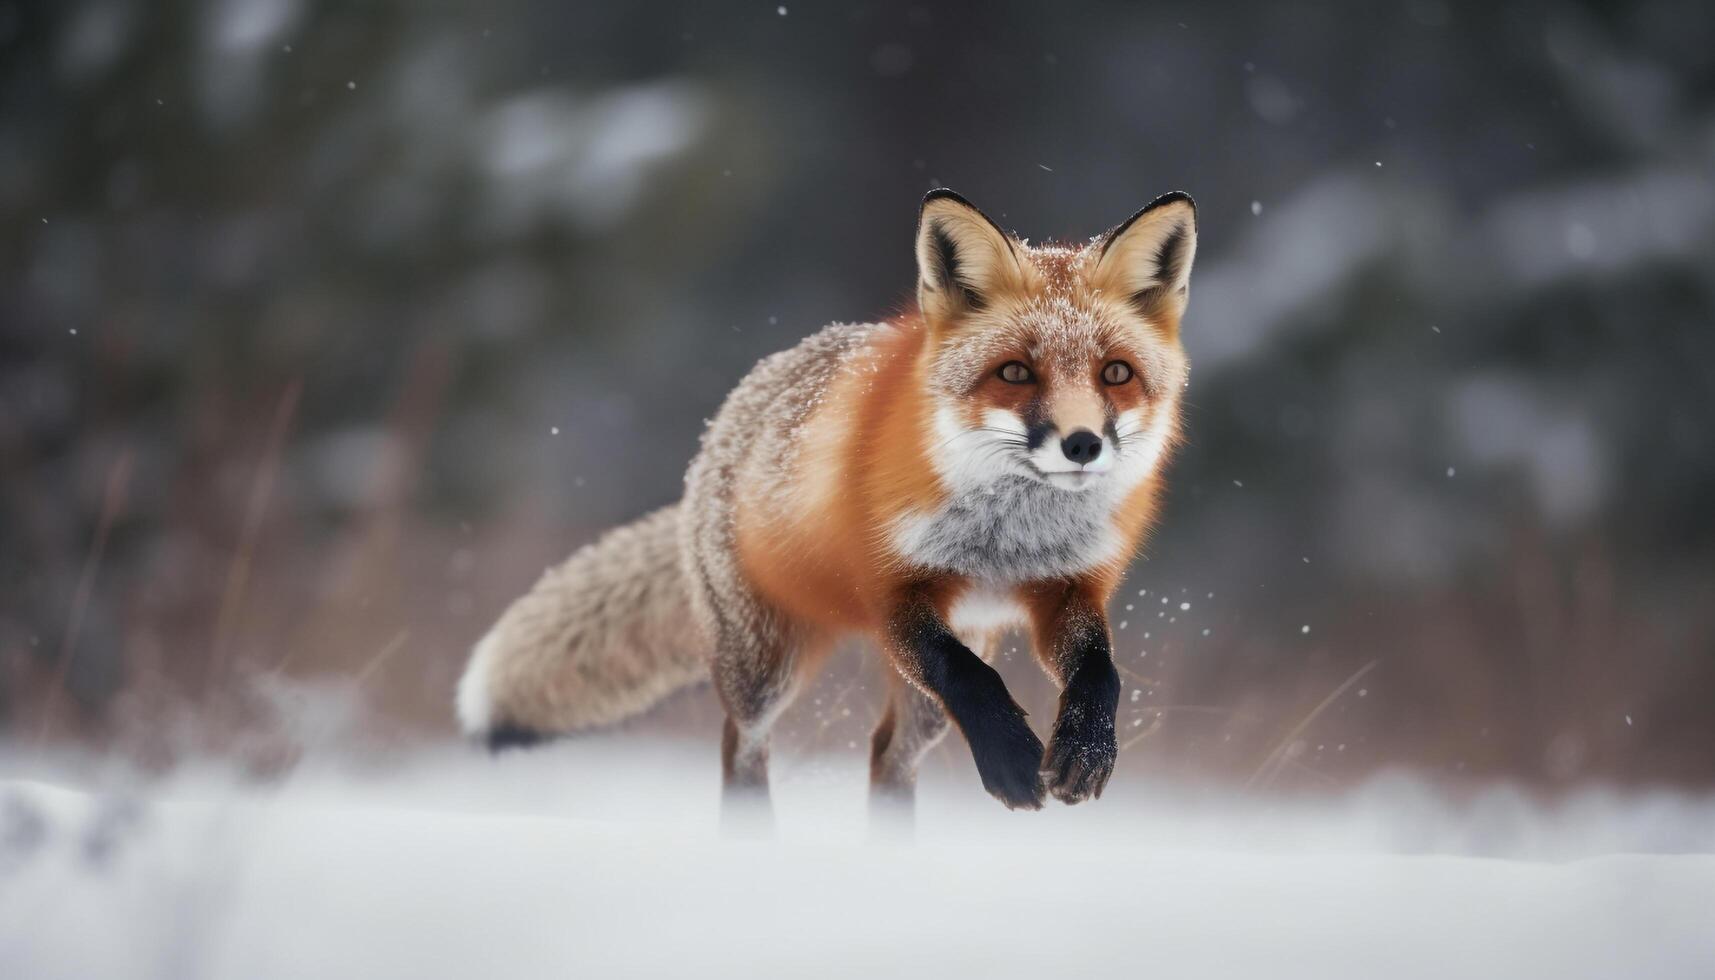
x: 601, y: 858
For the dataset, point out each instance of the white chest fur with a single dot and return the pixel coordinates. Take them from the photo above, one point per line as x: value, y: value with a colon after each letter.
x: 981, y: 610
x: 1013, y: 530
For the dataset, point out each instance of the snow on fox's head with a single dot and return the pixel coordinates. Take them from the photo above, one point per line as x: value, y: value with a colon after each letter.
x: 1061, y: 364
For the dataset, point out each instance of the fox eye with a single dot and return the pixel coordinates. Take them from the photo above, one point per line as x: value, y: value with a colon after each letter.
x: 1116, y: 373
x: 1015, y: 373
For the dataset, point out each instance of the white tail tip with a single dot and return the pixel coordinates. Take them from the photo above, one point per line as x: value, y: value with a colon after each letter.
x: 473, y: 702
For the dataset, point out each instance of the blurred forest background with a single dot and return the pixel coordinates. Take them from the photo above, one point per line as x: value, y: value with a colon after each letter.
x: 325, y: 327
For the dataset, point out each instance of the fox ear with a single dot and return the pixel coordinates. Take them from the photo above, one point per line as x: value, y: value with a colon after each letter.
x: 963, y: 258
x: 1147, y: 260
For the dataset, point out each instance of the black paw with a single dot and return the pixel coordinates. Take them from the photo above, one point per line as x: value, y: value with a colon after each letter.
x: 1081, y: 752
x: 1008, y: 755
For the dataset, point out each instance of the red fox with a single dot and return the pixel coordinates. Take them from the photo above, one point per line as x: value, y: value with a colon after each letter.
x: 991, y: 459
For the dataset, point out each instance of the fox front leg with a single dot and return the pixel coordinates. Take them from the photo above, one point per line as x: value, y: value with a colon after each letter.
x: 1072, y: 642
x: 1007, y: 753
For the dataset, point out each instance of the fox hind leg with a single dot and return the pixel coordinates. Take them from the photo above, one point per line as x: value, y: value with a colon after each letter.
x: 911, y: 726
x: 756, y: 673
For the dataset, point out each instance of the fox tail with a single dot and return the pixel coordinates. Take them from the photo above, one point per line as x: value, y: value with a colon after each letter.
x: 600, y: 638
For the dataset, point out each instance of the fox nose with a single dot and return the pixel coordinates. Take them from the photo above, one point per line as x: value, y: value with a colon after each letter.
x: 1082, y: 446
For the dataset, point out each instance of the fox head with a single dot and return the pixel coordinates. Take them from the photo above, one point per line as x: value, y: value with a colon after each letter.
x: 1058, y: 364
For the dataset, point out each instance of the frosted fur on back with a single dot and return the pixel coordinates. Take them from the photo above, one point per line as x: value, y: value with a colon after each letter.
x: 599, y: 638
x: 769, y: 408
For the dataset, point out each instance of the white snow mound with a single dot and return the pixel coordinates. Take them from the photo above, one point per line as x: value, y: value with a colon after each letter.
x: 601, y: 858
